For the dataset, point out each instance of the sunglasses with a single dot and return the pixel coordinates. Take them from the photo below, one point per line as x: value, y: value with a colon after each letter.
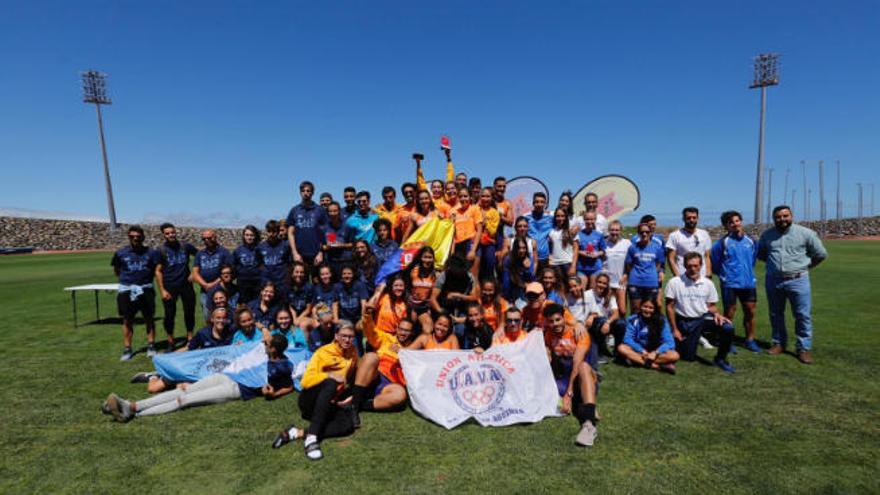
x: 532, y: 295
x: 514, y: 321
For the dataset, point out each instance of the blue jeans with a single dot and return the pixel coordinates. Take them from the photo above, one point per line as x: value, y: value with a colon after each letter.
x: 694, y: 328
x: 797, y: 292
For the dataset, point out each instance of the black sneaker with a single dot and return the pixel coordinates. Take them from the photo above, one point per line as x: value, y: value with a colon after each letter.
x: 126, y: 354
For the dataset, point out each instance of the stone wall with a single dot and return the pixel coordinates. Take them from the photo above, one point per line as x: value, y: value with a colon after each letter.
x: 66, y: 235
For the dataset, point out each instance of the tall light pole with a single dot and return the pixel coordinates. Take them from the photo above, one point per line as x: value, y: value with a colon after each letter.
x: 769, y: 192
x: 859, y: 184
x: 785, y: 191
x: 95, y: 91
x: 806, y: 203
x: 765, y: 74
x: 872, y: 199
x: 838, y: 192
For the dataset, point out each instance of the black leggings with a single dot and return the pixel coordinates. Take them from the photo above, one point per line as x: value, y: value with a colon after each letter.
x: 188, y: 297
x: 327, y: 420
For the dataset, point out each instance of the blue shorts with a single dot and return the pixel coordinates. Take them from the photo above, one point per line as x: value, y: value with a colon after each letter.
x: 381, y: 382
x: 729, y: 295
x: 589, y: 271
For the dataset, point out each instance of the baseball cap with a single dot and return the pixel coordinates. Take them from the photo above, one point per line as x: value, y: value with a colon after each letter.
x: 534, y: 288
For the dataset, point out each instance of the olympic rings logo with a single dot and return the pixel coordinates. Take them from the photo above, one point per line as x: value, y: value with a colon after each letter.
x: 477, y: 398
x: 477, y: 389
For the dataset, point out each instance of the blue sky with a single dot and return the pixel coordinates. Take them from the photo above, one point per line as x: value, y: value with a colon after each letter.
x: 220, y: 108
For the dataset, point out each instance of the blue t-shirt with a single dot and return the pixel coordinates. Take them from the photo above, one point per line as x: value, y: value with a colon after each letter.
x: 636, y: 336
x: 362, y: 226
x: 554, y: 296
x: 209, y: 263
x: 231, y: 291
x: 344, y: 235
x: 240, y: 337
x: 135, y: 267
x: 326, y: 295
x: 246, y: 264
x: 274, y: 262
x: 279, y: 375
x: 644, y: 264
x: 204, y: 339
x: 733, y: 260
x: 383, y: 253
x: 656, y: 238
x: 174, y: 259
x: 265, y: 318
x: 539, y: 229
x: 595, y: 239
x: 300, y: 297
x: 350, y: 300
x: 308, y: 222
x: 296, y: 339
x: 510, y: 291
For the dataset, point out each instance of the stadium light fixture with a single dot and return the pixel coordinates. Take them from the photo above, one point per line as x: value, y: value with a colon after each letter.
x: 766, y: 73
x: 95, y: 91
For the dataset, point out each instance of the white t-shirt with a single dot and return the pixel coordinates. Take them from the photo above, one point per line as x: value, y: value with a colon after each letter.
x: 601, y: 223
x: 579, y: 308
x: 597, y: 304
x: 684, y: 242
x: 559, y: 254
x: 615, y: 256
x: 691, y: 297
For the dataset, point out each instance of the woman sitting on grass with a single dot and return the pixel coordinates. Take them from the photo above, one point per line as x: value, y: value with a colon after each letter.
x: 296, y: 338
x: 441, y: 336
x: 648, y: 340
x: 214, y: 389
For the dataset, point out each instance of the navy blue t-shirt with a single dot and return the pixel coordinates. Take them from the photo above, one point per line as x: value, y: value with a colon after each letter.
x: 204, y: 339
x: 343, y: 234
x: 231, y: 291
x: 274, y: 262
x: 280, y: 374
x: 265, y: 318
x: 350, y: 300
x: 384, y: 252
x: 135, y: 267
x: 246, y: 264
x: 308, y: 222
x: 326, y: 295
x: 300, y: 297
x: 210, y: 263
x: 175, y: 263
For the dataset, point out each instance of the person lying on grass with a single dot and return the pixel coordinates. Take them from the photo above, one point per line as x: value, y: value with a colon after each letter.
x: 214, y: 389
x: 648, y: 340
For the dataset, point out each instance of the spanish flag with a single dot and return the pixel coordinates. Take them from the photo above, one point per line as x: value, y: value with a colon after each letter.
x: 437, y: 233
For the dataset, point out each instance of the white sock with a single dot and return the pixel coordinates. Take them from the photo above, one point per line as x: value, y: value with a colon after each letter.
x: 293, y: 433
x: 310, y: 439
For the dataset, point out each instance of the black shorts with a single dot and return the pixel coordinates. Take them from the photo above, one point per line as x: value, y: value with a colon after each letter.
x: 145, y: 304
x: 642, y: 293
x: 729, y: 295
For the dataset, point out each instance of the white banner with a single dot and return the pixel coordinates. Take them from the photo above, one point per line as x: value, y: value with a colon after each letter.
x: 505, y: 385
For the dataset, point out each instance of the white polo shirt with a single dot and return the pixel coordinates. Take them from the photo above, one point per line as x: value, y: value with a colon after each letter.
x: 692, y: 297
x: 683, y: 242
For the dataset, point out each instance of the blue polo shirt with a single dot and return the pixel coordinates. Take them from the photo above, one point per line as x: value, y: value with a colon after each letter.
x: 733, y: 260
x: 326, y: 295
x: 135, y: 267
x: 644, y: 264
x: 308, y: 222
x: 540, y: 225
x: 246, y: 264
x: 344, y: 235
x: 210, y: 262
x: 279, y: 375
x: 300, y: 297
x: 265, y: 318
x: 595, y: 239
x: 274, y: 262
x: 174, y: 259
x: 350, y: 300
x: 362, y: 226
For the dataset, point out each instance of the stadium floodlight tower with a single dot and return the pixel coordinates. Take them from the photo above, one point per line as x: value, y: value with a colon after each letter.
x: 765, y: 74
x: 95, y: 91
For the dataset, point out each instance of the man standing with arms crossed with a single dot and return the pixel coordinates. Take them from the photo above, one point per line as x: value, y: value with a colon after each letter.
x: 206, y: 269
x: 305, y: 228
x: 172, y: 276
x: 790, y: 251
x: 733, y: 257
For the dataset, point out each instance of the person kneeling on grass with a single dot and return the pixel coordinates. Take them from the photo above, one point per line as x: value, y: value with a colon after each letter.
x: 379, y: 384
x: 322, y: 400
x: 648, y: 340
x: 214, y: 389
x: 575, y: 377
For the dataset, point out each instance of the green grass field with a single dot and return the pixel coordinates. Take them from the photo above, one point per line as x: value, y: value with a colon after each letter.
x: 776, y: 426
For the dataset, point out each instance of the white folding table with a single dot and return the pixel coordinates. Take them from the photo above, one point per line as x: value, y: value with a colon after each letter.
x: 91, y: 287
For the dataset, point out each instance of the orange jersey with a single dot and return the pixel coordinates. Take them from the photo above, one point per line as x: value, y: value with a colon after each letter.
x: 402, y: 221
x: 442, y: 208
x: 535, y: 316
x: 449, y: 344
x: 386, y: 346
x: 466, y: 222
x: 489, y: 316
x: 389, y: 314
x: 501, y: 337
x: 563, y: 344
x: 503, y: 207
x: 421, y: 286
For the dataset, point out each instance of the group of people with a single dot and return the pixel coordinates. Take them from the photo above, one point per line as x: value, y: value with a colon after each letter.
x: 596, y: 295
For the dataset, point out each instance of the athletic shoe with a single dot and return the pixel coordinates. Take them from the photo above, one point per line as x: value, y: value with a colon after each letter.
x: 151, y: 350
x: 143, y: 377
x: 724, y: 365
x: 602, y: 360
x: 752, y: 346
x: 126, y: 354
x: 114, y: 405
x: 587, y: 436
x: 705, y: 343
x: 283, y: 438
x: 668, y: 368
x: 732, y: 349
x: 110, y: 404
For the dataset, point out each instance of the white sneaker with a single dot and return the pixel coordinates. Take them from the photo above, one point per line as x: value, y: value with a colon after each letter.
x: 705, y: 343
x: 587, y: 436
